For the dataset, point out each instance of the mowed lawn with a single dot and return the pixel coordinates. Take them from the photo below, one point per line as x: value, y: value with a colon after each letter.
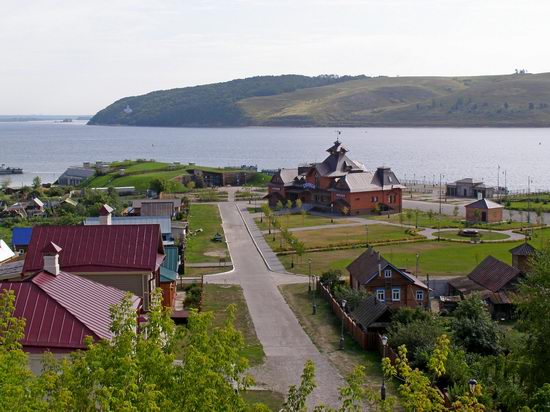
x: 297, y: 220
x: 216, y: 299
x: 436, y: 258
x: 200, y: 246
x: 344, y: 236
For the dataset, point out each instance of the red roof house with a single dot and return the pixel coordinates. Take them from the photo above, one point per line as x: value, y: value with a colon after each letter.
x: 60, y: 308
x: 124, y: 257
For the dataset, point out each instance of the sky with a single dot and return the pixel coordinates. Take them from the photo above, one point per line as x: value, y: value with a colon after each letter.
x: 76, y: 57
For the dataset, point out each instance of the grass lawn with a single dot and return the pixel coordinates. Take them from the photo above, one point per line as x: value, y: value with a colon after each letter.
x: 540, y: 237
x: 453, y: 234
x: 446, y: 221
x: 344, y: 236
x: 140, y: 181
x: 436, y: 258
x: 201, y: 247
x: 524, y: 205
x: 196, y: 272
x: 297, y: 220
x: 273, y: 400
x: 5, y: 235
x: 216, y: 299
x: 408, y: 217
x: 324, y: 330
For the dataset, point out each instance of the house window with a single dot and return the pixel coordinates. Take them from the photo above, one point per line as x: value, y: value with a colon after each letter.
x: 381, y: 295
x: 374, y: 199
x: 419, y: 295
x: 396, y: 294
x: 387, y: 273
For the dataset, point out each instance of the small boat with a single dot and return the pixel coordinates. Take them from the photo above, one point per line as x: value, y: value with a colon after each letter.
x: 10, y: 170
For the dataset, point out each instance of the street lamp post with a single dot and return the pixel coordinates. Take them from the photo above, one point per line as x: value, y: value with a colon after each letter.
x: 314, y: 304
x: 309, y: 276
x: 332, y: 212
x: 383, y: 388
x: 416, y: 271
x: 342, y: 329
x: 367, y: 230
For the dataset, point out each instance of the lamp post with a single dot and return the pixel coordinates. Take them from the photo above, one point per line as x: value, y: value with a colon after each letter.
x: 367, y: 230
x: 332, y: 212
x: 342, y: 329
x: 314, y: 304
x: 383, y: 388
x: 416, y: 271
x: 309, y: 276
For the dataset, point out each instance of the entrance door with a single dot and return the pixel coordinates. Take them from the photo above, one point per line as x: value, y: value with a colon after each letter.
x: 484, y: 216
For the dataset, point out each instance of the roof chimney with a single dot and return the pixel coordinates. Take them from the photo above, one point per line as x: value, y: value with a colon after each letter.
x: 51, y: 258
x: 105, y: 215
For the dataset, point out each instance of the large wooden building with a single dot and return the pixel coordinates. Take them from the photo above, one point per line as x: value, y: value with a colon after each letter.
x: 338, y: 184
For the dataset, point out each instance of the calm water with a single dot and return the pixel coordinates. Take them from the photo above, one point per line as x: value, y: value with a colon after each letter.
x: 46, y: 149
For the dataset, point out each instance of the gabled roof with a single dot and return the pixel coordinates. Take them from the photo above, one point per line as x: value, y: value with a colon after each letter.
x: 287, y: 176
x: 337, y: 163
x: 80, y: 172
x: 103, y: 248
x: 167, y: 275
x: 366, y: 267
x: 60, y: 310
x: 21, y: 236
x: 11, y: 270
x: 164, y: 221
x: 139, y: 202
x: 157, y: 209
x: 493, y: 274
x: 525, y: 249
x: 371, y: 311
x: 484, y: 204
x: 5, y: 251
x: 105, y: 210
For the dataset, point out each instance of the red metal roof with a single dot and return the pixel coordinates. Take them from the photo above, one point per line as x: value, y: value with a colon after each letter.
x: 493, y: 274
x: 61, y: 310
x: 102, y: 248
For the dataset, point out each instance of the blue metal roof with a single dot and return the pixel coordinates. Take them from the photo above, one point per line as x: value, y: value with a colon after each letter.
x: 21, y: 236
x: 167, y: 275
x: 171, y: 258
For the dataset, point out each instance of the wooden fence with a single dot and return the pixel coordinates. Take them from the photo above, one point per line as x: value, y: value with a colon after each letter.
x: 367, y: 340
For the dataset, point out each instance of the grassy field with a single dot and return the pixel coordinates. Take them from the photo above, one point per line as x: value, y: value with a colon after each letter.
x: 524, y: 205
x: 297, y: 220
x: 196, y: 272
x: 201, y: 247
x: 436, y: 258
x: 344, y: 236
x: 141, y: 181
x: 216, y: 299
x: 453, y: 234
x: 324, y: 330
x: 5, y: 235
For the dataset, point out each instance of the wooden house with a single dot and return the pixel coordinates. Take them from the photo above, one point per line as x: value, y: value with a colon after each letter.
x: 61, y: 309
x: 124, y: 257
x: 389, y: 284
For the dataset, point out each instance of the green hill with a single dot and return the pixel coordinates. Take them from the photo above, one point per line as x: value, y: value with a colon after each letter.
x: 505, y: 100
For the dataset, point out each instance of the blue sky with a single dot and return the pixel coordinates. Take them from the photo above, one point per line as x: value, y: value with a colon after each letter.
x: 76, y: 57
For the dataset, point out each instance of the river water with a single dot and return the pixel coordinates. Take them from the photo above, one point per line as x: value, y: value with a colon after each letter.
x: 46, y: 148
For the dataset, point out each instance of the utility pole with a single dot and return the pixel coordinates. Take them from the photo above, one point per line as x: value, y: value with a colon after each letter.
x: 528, y: 199
x: 440, y: 177
x: 498, y: 182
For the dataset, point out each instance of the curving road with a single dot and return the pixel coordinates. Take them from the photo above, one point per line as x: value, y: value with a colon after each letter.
x: 286, y: 345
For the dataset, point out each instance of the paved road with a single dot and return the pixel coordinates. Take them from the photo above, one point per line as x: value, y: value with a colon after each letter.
x: 286, y: 345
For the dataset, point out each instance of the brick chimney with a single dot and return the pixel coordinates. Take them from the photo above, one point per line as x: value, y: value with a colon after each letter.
x: 51, y: 258
x: 105, y: 215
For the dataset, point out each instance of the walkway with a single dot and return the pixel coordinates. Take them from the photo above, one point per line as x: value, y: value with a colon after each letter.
x: 429, y: 234
x: 286, y: 345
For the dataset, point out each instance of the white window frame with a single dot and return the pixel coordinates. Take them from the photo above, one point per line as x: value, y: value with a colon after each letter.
x: 398, y: 290
x: 381, y: 295
x: 387, y: 273
x: 419, y: 295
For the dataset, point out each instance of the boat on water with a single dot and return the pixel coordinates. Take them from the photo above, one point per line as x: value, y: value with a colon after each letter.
x: 10, y: 170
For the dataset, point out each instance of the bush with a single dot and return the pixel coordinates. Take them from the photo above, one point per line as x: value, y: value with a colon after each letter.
x: 331, y: 277
x: 193, y: 293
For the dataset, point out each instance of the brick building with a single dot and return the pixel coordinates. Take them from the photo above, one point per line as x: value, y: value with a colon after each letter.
x: 485, y: 211
x: 338, y: 184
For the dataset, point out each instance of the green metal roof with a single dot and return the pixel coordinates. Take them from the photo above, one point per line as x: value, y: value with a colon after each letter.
x: 167, y: 275
x: 171, y: 258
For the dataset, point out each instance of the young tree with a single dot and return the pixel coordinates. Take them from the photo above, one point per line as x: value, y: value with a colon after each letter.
x: 409, y: 215
x: 279, y: 206
x: 417, y: 390
x: 430, y: 214
x: 299, y: 203
x: 534, y: 306
x: 37, y: 184
x: 289, y: 204
x: 473, y: 327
